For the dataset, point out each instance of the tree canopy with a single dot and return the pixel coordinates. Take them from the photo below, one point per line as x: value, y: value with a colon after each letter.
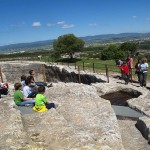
x: 129, y: 47
x: 68, y: 44
x: 112, y: 52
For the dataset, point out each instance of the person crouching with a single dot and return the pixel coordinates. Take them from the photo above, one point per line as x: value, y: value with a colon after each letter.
x: 125, y: 72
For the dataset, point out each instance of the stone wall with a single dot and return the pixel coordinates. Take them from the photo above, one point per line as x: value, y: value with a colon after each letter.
x: 11, y: 72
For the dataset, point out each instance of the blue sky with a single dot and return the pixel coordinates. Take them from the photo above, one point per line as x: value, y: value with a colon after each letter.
x: 24, y: 21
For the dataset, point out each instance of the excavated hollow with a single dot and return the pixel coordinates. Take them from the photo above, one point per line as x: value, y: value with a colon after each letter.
x: 120, y: 97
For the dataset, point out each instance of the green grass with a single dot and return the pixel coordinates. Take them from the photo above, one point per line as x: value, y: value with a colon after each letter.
x: 87, y: 64
x: 99, y: 66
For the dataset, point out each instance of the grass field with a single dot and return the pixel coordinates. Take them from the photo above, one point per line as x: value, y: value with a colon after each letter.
x: 99, y: 66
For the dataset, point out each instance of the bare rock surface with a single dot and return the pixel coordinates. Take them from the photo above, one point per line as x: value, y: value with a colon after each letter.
x: 131, y: 137
x: 82, y: 121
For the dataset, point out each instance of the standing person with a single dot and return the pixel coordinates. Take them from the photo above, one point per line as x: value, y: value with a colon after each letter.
x: 41, y: 103
x: 137, y: 67
x: 143, y: 72
x: 125, y: 72
x: 129, y: 62
x: 19, y: 98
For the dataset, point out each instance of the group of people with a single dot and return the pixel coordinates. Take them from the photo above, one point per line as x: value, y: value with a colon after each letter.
x: 141, y: 69
x: 29, y: 92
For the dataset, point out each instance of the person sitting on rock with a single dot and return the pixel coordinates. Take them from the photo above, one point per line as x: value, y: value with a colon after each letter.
x: 23, y: 79
x: 41, y: 103
x: 32, y: 74
x: 29, y: 90
x: 125, y: 72
x: 3, y: 89
x: 19, y: 98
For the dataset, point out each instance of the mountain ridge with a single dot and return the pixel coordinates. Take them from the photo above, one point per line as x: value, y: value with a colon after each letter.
x: 102, y: 38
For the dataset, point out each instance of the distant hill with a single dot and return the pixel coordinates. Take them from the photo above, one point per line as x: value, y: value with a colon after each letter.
x: 24, y: 46
x: 47, y: 44
x: 107, y: 37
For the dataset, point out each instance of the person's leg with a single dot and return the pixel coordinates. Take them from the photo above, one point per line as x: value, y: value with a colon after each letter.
x: 32, y: 94
x: 141, y: 79
x: 50, y: 105
x: 138, y: 75
x: 127, y: 79
x: 27, y: 102
x: 4, y: 91
x: 144, y: 79
x: 41, y: 83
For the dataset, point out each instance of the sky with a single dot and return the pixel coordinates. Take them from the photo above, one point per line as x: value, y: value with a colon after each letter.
x: 23, y: 21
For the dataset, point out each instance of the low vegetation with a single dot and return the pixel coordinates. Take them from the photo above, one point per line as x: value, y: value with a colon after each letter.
x: 93, y: 58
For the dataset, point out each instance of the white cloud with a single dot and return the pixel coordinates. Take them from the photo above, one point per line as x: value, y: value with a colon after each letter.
x: 36, y: 24
x: 147, y: 18
x: 49, y: 24
x: 65, y: 26
x: 134, y: 17
x: 93, y: 24
x: 61, y: 22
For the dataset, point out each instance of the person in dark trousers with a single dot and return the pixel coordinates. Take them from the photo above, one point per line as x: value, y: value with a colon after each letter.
x: 3, y: 89
x: 32, y: 74
x: 29, y: 91
x: 143, y: 72
x: 125, y: 72
x: 137, y: 69
x: 41, y: 103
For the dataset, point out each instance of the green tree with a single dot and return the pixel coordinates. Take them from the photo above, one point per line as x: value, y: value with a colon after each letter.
x: 68, y: 44
x: 112, y: 52
x: 129, y: 47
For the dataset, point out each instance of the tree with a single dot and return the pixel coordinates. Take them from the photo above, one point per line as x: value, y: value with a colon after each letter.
x: 68, y: 44
x: 129, y: 47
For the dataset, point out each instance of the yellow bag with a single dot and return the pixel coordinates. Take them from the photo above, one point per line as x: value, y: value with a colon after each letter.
x: 40, y: 108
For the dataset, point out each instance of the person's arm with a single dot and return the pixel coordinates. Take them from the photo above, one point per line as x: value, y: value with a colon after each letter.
x: 25, y: 98
x: 22, y: 97
x: 45, y: 100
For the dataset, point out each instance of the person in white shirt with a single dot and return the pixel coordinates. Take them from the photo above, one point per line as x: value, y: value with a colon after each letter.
x: 23, y: 78
x: 28, y: 91
x: 143, y: 72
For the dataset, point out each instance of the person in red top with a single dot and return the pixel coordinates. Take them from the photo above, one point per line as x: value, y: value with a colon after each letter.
x: 125, y: 72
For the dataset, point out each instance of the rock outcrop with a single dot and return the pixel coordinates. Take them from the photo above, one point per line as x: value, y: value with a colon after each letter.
x: 82, y: 121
